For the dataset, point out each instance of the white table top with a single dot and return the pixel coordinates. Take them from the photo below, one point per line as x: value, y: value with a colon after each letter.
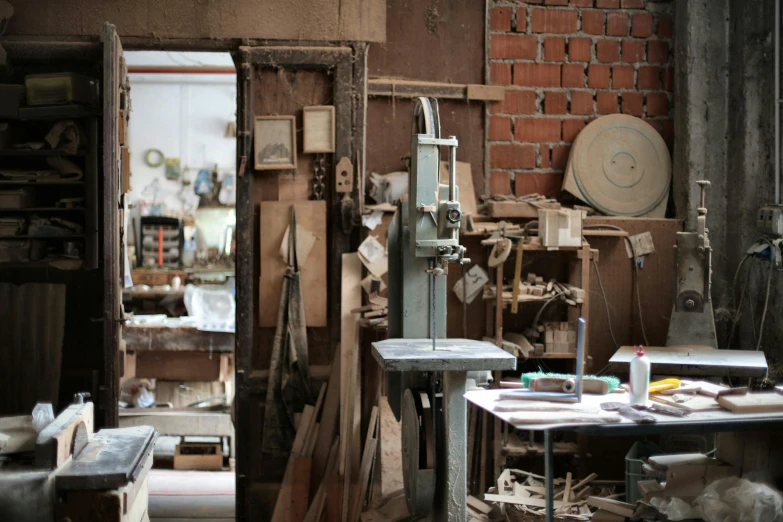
x: 702, y: 421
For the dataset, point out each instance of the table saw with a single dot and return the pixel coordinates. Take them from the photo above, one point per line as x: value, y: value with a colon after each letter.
x: 67, y: 473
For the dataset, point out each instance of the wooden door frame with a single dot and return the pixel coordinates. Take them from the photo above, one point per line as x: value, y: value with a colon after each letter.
x: 348, y: 66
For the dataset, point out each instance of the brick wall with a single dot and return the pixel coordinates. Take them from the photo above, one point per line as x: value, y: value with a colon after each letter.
x: 566, y: 62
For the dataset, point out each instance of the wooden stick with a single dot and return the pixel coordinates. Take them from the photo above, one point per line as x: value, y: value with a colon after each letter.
x: 567, y: 491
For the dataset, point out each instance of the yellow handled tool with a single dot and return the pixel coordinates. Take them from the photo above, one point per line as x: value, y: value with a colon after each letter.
x: 665, y: 384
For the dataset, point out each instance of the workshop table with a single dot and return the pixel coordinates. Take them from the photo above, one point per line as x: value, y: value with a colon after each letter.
x: 697, y: 422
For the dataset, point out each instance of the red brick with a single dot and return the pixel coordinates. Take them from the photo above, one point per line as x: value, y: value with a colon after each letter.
x: 617, y: 24
x: 655, y: 124
x: 521, y: 20
x: 500, y: 73
x: 593, y: 22
x: 555, y: 2
x: 513, y: 46
x: 607, y: 51
x: 633, y: 51
x: 668, y: 132
x: 515, y: 102
x: 648, y: 78
x: 499, y: 183
x: 665, y: 26
x: 537, y: 130
x: 598, y: 76
x: 581, y: 103
x: 573, y: 75
x: 633, y: 103
x: 668, y: 79
x: 582, y: 3
x: 622, y: 77
x: 500, y: 19
x: 554, y: 49
x: 554, y: 20
x: 579, y: 49
x: 657, y: 104
x: 535, y: 1
x: 555, y: 102
x: 607, y: 4
x: 548, y: 184
x: 606, y: 102
x: 560, y: 156
x: 543, y: 156
x: 642, y: 25
x: 632, y: 4
x: 513, y: 156
x: 657, y: 51
x: 537, y: 74
x: 572, y: 127
x: 499, y: 128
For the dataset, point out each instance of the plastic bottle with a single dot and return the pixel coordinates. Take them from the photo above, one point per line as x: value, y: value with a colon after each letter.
x: 640, y: 377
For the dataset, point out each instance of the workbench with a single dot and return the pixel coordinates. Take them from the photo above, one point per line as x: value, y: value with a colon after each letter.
x: 714, y: 421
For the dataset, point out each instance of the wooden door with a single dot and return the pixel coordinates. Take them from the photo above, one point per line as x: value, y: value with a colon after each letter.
x: 116, y: 92
x: 283, y: 80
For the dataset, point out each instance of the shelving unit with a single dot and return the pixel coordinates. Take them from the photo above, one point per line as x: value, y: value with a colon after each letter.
x: 32, y: 125
x: 579, y: 276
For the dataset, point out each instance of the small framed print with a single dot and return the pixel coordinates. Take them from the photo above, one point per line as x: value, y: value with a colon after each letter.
x: 275, y: 142
x: 318, y: 128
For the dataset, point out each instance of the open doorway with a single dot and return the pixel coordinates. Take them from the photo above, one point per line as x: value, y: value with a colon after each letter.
x: 179, y: 341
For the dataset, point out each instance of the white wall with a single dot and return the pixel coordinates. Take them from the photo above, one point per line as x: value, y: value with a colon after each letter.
x: 182, y: 115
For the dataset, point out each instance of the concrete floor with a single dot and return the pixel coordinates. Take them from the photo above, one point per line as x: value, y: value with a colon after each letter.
x: 201, y: 496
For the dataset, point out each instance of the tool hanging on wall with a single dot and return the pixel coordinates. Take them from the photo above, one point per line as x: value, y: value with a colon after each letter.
x: 319, y: 171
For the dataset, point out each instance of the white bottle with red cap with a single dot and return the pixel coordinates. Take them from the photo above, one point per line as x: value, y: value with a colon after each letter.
x: 640, y: 377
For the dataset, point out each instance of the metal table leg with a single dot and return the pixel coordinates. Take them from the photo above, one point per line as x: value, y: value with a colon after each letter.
x: 549, y: 474
x: 456, y: 448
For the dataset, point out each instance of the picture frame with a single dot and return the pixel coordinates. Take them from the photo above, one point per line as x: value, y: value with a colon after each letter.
x: 274, y: 140
x: 318, y: 123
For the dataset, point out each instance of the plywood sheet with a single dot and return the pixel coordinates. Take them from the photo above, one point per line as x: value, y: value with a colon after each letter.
x: 275, y: 218
x: 656, y: 284
x: 467, y: 194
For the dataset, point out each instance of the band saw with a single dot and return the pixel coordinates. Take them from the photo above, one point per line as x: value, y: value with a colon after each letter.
x: 427, y: 373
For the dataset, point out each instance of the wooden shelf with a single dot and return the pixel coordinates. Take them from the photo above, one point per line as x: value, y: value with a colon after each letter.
x: 56, y: 112
x: 41, y: 209
x: 554, y: 356
x: 40, y: 183
x: 66, y: 236
x: 44, y: 264
x: 39, y: 153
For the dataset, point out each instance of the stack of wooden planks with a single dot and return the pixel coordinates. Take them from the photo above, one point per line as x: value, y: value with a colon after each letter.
x: 327, y: 477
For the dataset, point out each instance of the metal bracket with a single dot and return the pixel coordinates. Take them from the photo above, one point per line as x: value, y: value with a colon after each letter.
x: 343, y: 175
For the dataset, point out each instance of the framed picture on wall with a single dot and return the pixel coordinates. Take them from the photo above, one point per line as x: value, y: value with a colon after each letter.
x: 318, y: 128
x: 275, y: 142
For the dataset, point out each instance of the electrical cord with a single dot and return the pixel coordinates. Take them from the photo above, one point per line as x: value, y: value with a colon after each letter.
x: 766, y: 302
x: 606, y: 304
x: 738, y: 307
x: 638, y: 295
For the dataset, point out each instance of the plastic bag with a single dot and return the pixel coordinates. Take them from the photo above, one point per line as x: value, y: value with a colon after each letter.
x: 739, y: 500
x: 43, y: 415
x: 675, y: 508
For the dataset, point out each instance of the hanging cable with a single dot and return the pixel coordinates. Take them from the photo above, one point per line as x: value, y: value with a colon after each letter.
x: 606, y: 304
x: 638, y: 295
x: 766, y: 301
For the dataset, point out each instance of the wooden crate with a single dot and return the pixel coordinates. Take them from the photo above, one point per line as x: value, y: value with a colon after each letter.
x: 202, y: 456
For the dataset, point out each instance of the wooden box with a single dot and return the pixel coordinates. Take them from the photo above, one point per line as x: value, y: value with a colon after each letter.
x: 201, y: 456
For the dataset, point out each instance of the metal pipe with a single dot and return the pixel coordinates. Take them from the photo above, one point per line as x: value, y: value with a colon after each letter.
x: 777, y: 102
x: 453, y: 171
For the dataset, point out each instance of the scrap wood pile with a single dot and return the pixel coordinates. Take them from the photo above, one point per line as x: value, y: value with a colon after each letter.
x: 535, y: 288
x: 521, y: 498
x: 375, y: 314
